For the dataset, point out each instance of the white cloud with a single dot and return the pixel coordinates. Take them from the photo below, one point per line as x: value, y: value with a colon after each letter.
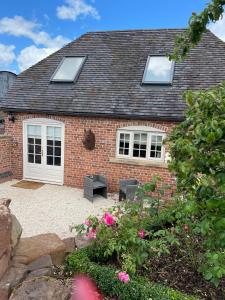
x: 20, y: 27
x: 218, y: 28
x: 31, y: 55
x: 7, y: 55
x: 75, y: 8
x: 45, y: 44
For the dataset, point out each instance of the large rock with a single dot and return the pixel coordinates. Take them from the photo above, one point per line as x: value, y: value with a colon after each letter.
x: 41, y: 288
x: 5, y: 236
x: 40, y: 263
x: 16, y: 231
x: 30, y: 249
x: 69, y: 244
x: 81, y: 241
x: 5, y: 202
x: 12, y: 278
x: 40, y: 273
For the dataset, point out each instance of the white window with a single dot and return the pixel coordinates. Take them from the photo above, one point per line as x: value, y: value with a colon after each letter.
x: 143, y: 143
x: 158, y: 70
x: 69, y: 69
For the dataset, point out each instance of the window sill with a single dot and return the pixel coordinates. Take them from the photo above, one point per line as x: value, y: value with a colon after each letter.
x: 137, y: 162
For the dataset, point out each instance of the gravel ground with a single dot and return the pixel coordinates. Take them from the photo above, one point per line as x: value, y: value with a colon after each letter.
x: 51, y: 208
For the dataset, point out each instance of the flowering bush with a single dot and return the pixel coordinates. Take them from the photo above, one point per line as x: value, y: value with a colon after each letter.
x: 118, y: 234
x: 123, y: 276
x: 121, y: 233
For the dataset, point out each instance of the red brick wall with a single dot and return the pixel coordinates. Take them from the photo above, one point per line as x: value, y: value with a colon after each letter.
x: 79, y: 161
x: 5, y: 157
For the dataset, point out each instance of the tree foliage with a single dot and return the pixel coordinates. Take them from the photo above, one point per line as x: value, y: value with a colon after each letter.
x: 197, y: 26
x: 197, y: 148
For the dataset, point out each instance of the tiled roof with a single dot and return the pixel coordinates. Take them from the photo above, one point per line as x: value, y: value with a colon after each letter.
x: 110, y: 82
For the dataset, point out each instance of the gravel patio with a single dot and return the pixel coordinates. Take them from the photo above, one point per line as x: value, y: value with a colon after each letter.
x: 51, y: 208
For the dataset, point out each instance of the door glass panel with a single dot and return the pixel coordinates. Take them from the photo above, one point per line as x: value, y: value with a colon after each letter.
x: 30, y: 158
x: 54, y: 135
x: 34, y: 144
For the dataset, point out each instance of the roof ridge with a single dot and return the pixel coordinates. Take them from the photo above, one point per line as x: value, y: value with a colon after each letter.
x: 130, y: 30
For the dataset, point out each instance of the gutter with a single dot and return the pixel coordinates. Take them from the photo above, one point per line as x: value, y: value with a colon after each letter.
x: 96, y: 115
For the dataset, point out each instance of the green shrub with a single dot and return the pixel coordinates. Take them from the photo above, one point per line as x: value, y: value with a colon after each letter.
x: 197, y: 148
x: 107, y: 281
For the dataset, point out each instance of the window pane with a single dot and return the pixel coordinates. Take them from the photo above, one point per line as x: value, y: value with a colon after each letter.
x: 124, y: 143
x: 38, y: 159
x: 68, y: 69
x: 142, y: 153
x: 30, y: 140
x: 152, y: 154
x: 58, y: 143
x: 49, y: 160
x: 126, y: 151
x: 121, y: 151
x: 49, y: 150
x: 30, y: 158
x: 57, y: 133
x: 37, y: 149
x: 50, y: 131
x: 121, y: 144
x: 50, y: 142
x: 38, y: 141
x: 136, y: 153
x: 158, y: 154
x: 34, y: 130
x: 156, y: 146
x: 57, y: 161
x: 140, y: 145
x: 127, y: 137
x: 57, y: 151
x: 30, y: 148
x: 159, y: 69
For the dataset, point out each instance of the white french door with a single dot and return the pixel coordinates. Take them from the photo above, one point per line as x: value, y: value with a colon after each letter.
x: 43, y: 148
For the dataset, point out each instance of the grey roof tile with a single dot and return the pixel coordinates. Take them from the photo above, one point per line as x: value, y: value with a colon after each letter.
x: 110, y: 81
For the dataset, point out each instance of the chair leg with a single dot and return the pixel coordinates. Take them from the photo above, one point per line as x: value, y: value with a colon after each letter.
x: 120, y: 196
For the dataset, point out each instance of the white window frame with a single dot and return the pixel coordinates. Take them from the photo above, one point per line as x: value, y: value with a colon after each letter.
x: 140, y: 129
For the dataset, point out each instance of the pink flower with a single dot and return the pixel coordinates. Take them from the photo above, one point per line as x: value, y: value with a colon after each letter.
x: 92, y: 234
x: 141, y: 234
x: 109, y: 219
x: 87, y: 223
x: 85, y: 289
x: 123, y: 276
x: 100, y: 221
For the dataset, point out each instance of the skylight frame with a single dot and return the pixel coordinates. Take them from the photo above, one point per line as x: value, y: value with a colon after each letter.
x: 169, y: 82
x: 84, y: 57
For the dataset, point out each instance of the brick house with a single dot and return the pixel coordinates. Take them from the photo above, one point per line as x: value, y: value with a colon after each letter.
x: 118, y: 84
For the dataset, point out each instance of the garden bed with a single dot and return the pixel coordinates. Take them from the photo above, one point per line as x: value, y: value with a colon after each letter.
x: 175, y: 270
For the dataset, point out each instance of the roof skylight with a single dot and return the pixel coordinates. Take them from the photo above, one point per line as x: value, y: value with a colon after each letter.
x: 69, y: 69
x: 158, y: 70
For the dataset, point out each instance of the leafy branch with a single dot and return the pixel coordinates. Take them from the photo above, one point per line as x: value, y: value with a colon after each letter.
x: 197, y: 26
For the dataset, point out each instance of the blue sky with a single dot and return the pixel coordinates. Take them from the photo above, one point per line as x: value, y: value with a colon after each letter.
x: 31, y: 30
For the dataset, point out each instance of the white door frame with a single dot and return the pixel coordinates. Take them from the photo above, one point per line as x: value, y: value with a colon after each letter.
x: 44, y: 122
